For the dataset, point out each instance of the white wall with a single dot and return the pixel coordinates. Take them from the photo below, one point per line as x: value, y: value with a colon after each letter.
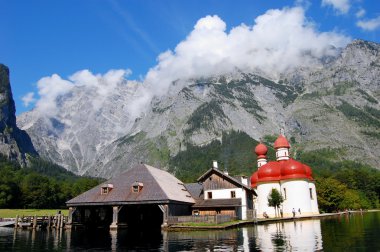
x: 263, y: 190
x: 297, y: 196
x: 226, y: 194
x: 314, y: 201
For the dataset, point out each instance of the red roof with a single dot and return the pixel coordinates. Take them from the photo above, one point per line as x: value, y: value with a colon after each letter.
x: 261, y: 150
x: 292, y: 169
x: 309, y: 172
x: 254, y: 179
x: 281, y: 170
x: 281, y: 142
x: 269, y: 172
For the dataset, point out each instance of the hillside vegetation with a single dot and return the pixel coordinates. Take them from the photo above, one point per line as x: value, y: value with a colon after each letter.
x: 42, y: 185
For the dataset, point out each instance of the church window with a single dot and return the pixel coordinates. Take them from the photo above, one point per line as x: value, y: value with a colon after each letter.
x: 311, y: 193
x: 284, y: 193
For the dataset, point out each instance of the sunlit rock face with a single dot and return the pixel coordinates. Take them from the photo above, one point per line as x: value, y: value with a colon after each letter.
x: 334, y: 104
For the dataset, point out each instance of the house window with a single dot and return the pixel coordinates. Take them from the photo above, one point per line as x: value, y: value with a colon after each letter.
x: 137, y: 187
x: 105, y: 189
x: 209, y: 195
x: 284, y: 193
x: 311, y: 193
x: 233, y: 194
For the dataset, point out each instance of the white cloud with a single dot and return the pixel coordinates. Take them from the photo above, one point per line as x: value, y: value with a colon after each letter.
x: 369, y: 25
x: 53, y: 87
x: 342, y: 6
x: 28, y: 99
x: 360, y: 13
x: 278, y: 41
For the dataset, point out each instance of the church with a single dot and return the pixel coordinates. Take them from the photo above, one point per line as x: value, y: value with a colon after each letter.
x: 291, y: 178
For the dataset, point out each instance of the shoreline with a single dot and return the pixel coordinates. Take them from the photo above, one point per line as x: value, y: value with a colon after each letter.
x: 262, y: 221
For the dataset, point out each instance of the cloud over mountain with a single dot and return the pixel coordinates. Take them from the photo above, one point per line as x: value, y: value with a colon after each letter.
x: 279, y: 40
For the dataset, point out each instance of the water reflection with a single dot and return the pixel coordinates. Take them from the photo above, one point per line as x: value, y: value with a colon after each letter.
x: 303, y: 235
x: 338, y: 233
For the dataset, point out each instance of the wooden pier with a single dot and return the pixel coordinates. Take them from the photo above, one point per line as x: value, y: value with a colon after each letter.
x: 40, y: 222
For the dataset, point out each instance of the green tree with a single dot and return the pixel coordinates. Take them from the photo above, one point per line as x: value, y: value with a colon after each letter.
x: 330, y: 194
x: 275, y: 200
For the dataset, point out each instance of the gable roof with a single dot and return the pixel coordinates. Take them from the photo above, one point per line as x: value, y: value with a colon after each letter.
x: 195, y: 189
x: 159, y: 186
x: 223, y: 175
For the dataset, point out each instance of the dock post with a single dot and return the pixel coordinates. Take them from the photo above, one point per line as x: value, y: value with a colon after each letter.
x: 16, y: 222
x: 58, y: 221
x: 61, y: 221
x: 34, y: 221
x: 49, y: 221
x: 115, y: 215
x: 68, y: 224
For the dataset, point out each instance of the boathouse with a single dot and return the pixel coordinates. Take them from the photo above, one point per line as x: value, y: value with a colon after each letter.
x: 141, y: 196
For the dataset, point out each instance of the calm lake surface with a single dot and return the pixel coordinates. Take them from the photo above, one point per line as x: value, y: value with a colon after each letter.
x: 353, y: 232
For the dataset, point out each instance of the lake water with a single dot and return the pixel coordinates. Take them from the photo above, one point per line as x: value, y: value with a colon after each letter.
x: 354, y: 232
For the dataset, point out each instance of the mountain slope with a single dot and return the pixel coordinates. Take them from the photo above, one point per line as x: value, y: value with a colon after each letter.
x: 335, y: 104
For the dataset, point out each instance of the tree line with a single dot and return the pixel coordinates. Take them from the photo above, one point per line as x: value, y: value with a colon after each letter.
x: 40, y: 185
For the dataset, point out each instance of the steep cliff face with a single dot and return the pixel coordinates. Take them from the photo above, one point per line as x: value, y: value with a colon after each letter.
x: 336, y: 105
x: 15, y: 144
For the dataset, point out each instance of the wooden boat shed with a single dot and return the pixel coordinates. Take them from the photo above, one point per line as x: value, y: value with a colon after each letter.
x: 141, y: 196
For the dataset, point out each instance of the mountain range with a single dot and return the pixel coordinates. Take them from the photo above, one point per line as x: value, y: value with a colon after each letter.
x: 333, y: 104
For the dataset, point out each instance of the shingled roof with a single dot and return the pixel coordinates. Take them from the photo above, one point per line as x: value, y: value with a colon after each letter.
x: 158, y: 186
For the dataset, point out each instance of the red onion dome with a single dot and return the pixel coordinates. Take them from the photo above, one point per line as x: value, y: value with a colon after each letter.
x: 281, y: 142
x: 270, y: 172
x: 309, y: 172
x: 254, y: 179
x: 261, y: 150
x: 292, y: 169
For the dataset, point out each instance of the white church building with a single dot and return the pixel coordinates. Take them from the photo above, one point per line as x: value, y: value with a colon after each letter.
x: 291, y: 178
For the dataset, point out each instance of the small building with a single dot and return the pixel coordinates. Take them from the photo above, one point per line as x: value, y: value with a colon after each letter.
x: 141, y: 196
x: 292, y: 179
x: 219, y: 193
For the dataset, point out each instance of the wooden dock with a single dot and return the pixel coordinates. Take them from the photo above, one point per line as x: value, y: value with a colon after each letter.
x: 36, y: 222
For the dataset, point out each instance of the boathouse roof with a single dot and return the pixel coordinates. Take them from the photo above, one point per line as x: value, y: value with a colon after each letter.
x: 142, y: 184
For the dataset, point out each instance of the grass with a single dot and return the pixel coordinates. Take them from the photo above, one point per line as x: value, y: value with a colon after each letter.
x: 11, y: 213
x: 204, y: 224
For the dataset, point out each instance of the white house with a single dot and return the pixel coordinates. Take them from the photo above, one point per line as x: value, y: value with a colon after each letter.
x: 223, y: 194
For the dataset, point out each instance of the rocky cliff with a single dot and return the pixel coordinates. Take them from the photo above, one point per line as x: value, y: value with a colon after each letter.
x: 334, y: 104
x: 15, y: 144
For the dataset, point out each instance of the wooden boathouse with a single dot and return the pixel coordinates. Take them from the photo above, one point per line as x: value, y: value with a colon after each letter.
x: 141, y: 196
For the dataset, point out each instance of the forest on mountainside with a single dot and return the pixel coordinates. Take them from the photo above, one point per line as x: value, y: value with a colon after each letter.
x: 341, y: 184
x: 42, y: 185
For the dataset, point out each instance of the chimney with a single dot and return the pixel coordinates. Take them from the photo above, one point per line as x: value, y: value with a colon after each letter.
x: 215, y: 164
x: 244, y: 180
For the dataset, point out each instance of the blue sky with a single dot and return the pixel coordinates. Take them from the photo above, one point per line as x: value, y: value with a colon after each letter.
x: 41, y: 38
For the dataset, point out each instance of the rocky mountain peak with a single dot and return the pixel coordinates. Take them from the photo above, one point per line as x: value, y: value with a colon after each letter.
x: 7, y: 105
x: 15, y: 144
